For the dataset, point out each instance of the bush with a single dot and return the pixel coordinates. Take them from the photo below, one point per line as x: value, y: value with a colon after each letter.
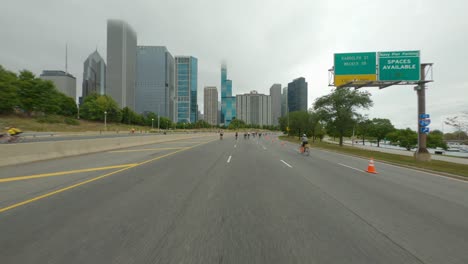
x: 71, y: 121
x: 50, y: 119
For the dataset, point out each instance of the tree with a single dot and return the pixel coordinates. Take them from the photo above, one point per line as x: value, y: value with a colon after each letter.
x: 299, y: 123
x: 95, y: 105
x: 363, y: 129
x: 379, y: 128
x: 67, y: 105
x: 314, y: 124
x: 236, y: 124
x: 8, y: 90
x: 435, y: 139
x: 460, y: 122
x: 339, y: 109
x: 405, y: 138
x: 132, y: 118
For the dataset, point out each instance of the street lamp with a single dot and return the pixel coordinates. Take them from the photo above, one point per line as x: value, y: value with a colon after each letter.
x: 159, y: 109
x: 152, y: 120
x: 105, y: 120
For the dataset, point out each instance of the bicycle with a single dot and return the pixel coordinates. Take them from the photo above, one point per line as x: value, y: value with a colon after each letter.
x: 304, y: 150
x: 5, y: 138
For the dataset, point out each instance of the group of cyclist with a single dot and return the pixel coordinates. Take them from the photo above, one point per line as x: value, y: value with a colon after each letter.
x: 12, y: 134
x: 304, y: 139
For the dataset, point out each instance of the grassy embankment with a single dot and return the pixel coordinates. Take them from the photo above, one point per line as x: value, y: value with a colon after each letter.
x: 434, y: 165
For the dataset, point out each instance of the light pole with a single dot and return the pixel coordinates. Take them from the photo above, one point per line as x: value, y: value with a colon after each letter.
x: 152, y: 121
x: 105, y: 120
x: 159, y: 108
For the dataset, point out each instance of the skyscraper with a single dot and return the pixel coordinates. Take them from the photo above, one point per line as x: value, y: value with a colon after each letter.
x: 284, y: 102
x: 254, y: 108
x: 121, y: 63
x: 94, y: 75
x: 155, y: 81
x: 210, y: 105
x: 63, y: 81
x: 228, y: 102
x: 297, y: 95
x: 275, y: 93
x: 186, y: 88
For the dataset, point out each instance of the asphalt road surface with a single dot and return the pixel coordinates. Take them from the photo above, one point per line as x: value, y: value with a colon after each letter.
x: 207, y: 200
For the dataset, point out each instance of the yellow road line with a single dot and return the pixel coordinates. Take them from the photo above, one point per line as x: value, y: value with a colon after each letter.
x: 136, y: 150
x: 60, y: 173
x: 40, y: 197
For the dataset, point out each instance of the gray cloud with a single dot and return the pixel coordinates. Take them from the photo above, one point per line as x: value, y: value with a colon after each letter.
x: 263, y: 42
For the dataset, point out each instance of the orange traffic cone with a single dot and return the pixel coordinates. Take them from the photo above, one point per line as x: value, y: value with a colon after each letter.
x: 371, y: 167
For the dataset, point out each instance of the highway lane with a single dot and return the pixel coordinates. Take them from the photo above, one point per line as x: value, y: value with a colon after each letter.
x: 245, y: 201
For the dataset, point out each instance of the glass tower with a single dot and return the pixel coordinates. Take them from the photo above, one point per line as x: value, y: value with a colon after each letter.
x: 228, y: 102
x: 186, y: 89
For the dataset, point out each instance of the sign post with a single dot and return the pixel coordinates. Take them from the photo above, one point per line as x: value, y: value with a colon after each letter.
x: 422, y: 154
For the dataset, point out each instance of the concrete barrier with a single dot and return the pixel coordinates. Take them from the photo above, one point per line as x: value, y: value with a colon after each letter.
x: 12, y: 154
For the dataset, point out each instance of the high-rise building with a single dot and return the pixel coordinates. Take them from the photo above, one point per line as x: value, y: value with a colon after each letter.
x: 275, y: 93
x: 297, y: 95
x: 254, y: 108
x: 284, y: 102
x: 210, y: 105
x: 155, y: 81
x: 186, y: 70
x: 94, y: 75
x: 63, y: 81
x: 228, y: 102
x: 121, y: 63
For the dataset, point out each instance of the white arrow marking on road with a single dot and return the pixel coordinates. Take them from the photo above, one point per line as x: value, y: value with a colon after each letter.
x: 286, y: 164
x: 229, y: 159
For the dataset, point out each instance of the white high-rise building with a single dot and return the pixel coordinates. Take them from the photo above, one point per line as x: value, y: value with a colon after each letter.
x: 210, y: 105
x: 121, y: 63
x: 63, y: 81
x: 254, y: 108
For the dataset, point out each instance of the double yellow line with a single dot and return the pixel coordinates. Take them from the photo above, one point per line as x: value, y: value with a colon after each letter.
x: 127, y: 167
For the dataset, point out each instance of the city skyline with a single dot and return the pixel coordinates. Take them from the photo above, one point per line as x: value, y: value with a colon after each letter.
x: 310, y: 27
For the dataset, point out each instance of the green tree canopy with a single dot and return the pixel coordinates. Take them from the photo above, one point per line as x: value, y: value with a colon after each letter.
x: 435, y: 139
x: 379, y: 128
x: 339, y: 109
x: 8, y: 90
x: 95, y: 105
x: 405, y: 138
x: 236, y: 124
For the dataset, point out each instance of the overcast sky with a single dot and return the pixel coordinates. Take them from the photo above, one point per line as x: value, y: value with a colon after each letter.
x: 263, y: 42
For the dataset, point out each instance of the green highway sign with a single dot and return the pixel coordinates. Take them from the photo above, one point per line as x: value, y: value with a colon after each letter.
x: 351, y: 67
x: 399, y: 66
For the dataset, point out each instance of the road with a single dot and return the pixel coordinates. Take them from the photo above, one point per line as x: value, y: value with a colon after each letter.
x: 207, y: 200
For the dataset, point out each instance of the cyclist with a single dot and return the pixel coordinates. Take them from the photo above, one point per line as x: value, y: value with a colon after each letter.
x: 13, y: 132
x: 236, y: 135
x: 304, y: 141
x: 221, y: 134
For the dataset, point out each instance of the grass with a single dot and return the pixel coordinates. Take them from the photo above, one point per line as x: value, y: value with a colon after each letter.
x: 434, y: 165
x: 38, y: 125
